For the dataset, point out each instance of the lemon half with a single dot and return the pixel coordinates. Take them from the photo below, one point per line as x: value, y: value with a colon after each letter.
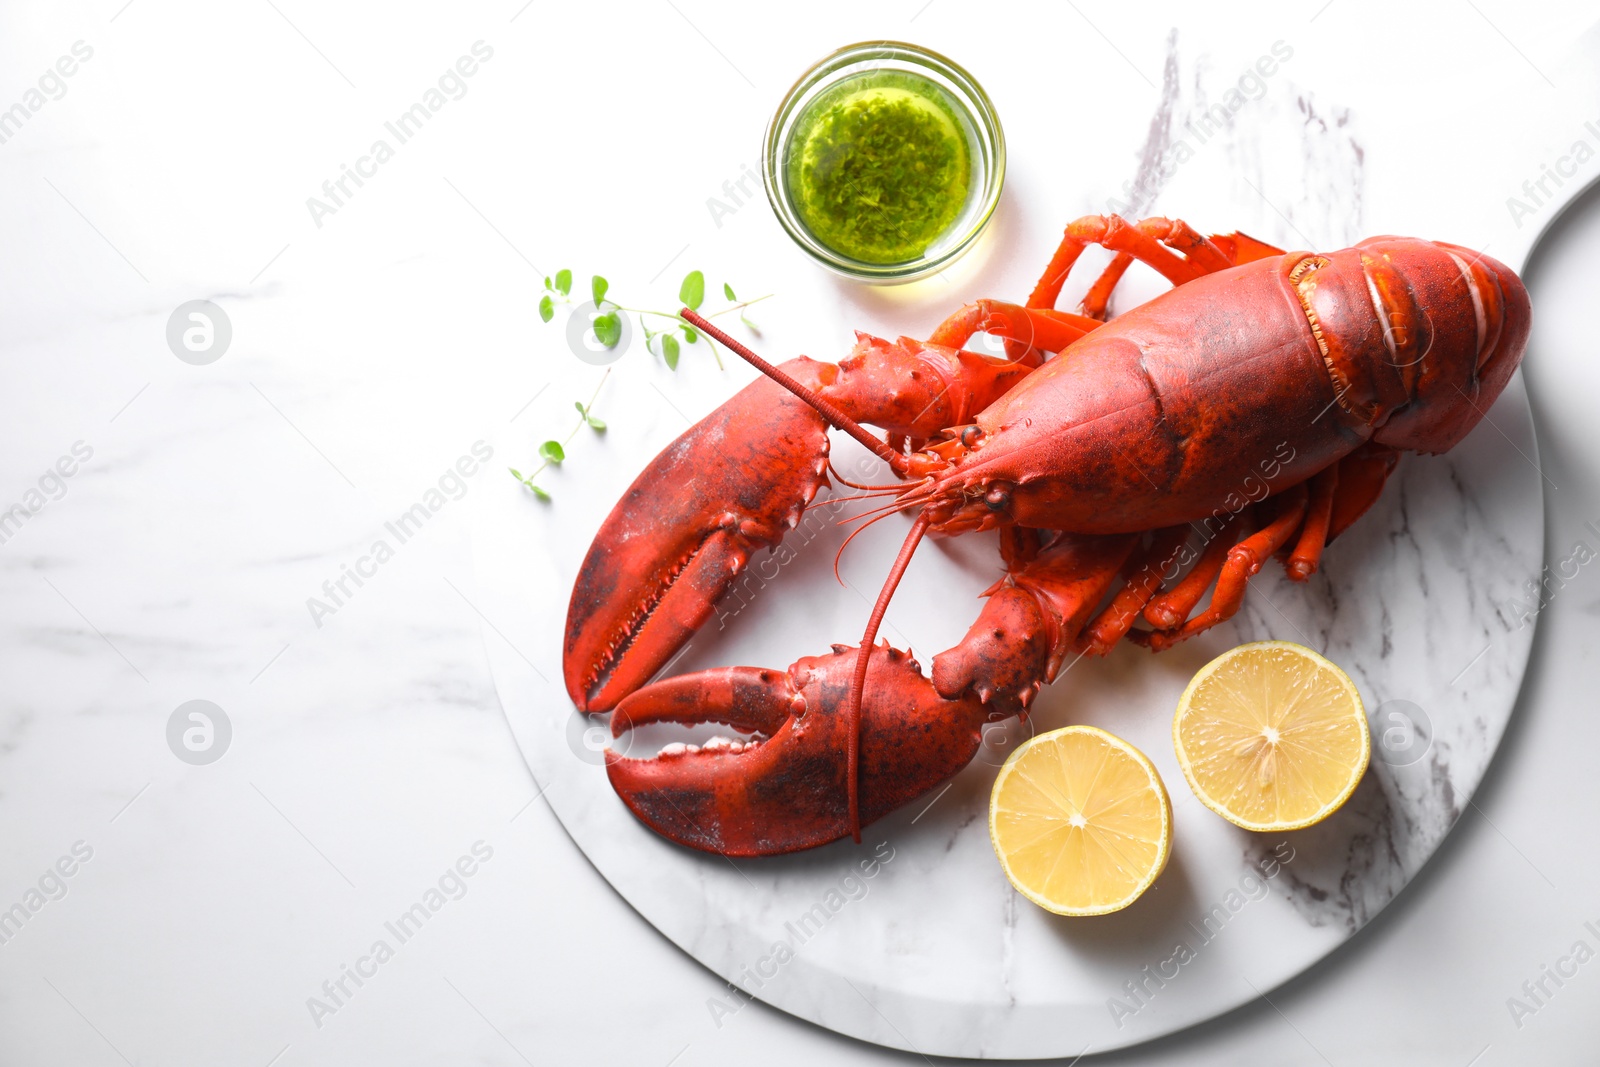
x: 1080, y: 821
x: 1272, y: 736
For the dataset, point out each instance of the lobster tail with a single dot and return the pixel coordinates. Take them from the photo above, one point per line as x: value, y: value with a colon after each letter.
x: 1471, y: 316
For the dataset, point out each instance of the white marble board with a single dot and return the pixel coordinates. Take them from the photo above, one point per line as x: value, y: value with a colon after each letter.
x: 935, y: 953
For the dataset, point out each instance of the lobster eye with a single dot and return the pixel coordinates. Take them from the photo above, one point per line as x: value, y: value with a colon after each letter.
x: 998, y: 498
x: 969, y: 436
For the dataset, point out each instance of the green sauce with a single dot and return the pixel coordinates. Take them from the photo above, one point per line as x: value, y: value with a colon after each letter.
x: 880, y: 166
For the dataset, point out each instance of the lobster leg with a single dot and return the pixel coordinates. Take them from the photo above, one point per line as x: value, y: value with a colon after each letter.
x: 1243, y: 561
x: 1242, y: 248
x: 1302, y: 562
x: 1168, y: 610
x: 1179, y: 235
x: 1099, y: 295
x: 1026, y: 331
x: 1118, y: 235
x: 1215, y: 253
x: 1362, y: 475
x: 1154, y: 241
x: 1145, y: 572
x: 1040, y: 326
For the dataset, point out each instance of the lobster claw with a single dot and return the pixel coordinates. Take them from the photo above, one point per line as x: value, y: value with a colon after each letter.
x: 734, y: 482
x: 785, y: 790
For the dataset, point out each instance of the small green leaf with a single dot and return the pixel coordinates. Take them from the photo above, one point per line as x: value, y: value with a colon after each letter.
x: 547, y: 284
x: 669, y: 350
x: 564, y: 282
x: 579, y: 405
x: 540, y: 493
x: 727, y: 291
x: 552, y: 452
x: 515, y: 473
x: 547, y: 308
x: 598, y: 287
x: 689, y: 334
x: 693, y: 290
x: 608, y: 329
x: 595, y: 423
x: 752, y: 327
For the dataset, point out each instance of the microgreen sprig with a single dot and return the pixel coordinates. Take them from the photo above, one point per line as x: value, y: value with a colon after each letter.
x: 664, y: 343
x: 555, y: 452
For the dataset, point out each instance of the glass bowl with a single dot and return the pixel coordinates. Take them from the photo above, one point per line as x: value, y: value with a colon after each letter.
x: 966, y: 102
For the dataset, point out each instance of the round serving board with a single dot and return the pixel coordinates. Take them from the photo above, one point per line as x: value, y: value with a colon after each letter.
x: 927, y: 947
x: 914, y: 939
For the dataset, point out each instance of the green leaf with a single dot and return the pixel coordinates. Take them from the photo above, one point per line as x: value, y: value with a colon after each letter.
x: 540, y: 493
x: 669, y: 350
x: 727, y: 291
x: 752, y: 327
x: 598, y: 287
x: 579, y: 405
x: 552, y: 452
x: 693, y: 290
x: 547, y: 284
x: 608, y: 329
x: 689, y: 334
x: 515, y: 473
x: 595, y: 423
x: 564, y: 282
x: 547, y: 308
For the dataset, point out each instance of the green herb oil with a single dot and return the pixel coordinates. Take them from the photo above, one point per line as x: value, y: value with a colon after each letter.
x: 880, y: 166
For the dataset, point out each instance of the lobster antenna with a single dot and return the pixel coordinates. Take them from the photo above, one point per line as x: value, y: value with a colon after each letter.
x: 897, y: 462
x: 833, y: 472
x: 858, y: 685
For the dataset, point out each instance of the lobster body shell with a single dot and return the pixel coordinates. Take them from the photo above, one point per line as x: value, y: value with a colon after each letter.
x: 1250, y: 380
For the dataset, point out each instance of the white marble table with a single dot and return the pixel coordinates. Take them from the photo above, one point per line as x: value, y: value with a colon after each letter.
x: 368, y: 755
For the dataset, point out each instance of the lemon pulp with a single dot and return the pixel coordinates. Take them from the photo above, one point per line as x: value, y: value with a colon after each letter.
x: 1272, y: 736
x: 1080, y: 821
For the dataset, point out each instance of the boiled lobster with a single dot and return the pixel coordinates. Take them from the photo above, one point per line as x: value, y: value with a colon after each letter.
x: 1255, y: 409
